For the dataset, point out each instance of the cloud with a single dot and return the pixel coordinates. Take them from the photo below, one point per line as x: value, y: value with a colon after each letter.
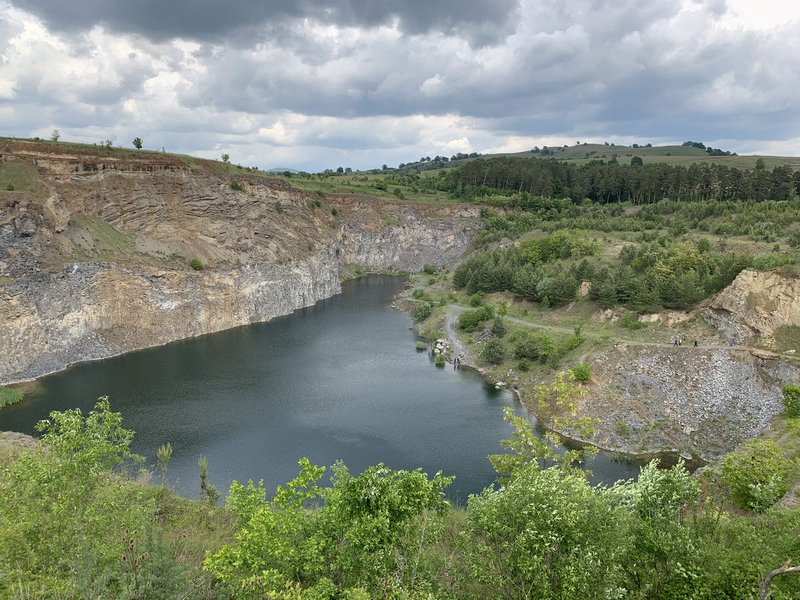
x: 210, y: 20
x: 316, y: 83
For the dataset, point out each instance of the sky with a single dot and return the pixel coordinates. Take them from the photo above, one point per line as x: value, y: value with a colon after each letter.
x: 316, y: 84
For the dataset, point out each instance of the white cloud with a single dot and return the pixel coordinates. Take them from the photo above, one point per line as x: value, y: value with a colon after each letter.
x: 313, y: 95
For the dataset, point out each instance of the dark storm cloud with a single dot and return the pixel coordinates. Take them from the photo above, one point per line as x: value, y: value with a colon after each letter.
x: 213, y: 20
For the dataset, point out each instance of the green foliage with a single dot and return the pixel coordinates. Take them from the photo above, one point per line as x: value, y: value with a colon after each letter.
x: 72, y: 526
x: 196, y: 264
x: 631, y: 321
x: 429, y: 269
x: 422, y: 310
x: 664, y: 493
x: 9, y: 396
x: 756, y: 474
x: 278, y: 207
x: 137, y: 143
x: 771, y: 260
x: 499, y: 328
x: 364, y: 528
x: 236, y: 186
x: 470, y: 320
x: 791, y: 400
x: 66, y: 519
x: 547, y: 534
x: 494, y: 351
x: 582, y: 372
x: 163, y: 456
x: 420, y: 294
x: 440, y: 360
x: 421, y: 346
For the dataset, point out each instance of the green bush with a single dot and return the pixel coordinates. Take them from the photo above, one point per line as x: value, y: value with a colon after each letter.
x: 9, y: 396
x: 429, y: 270
x: 440, y: 360
x: 499, y: 328
x: 278, y: 207
x: 791, y: 400
x: 476, y: 299
x: 422, y: 310
x: 756, y: 474
x: 196, y: 264
x: 493, y: 351
x: 236, y: 186
x: 771, y: 260
x: 582, y: 372
x: 421, y: 346
x: 794, y: 239
x: 632, y: 322
x: 470, y: 320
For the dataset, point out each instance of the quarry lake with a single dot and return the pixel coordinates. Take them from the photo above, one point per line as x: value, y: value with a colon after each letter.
x: 340, y: 380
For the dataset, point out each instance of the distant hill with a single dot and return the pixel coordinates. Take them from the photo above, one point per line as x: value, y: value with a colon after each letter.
x: 584, y: 153
x: 280, y: 170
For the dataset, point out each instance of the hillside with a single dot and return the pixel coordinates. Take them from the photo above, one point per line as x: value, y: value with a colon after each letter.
x: 587, y: 152
x: 96, y: 248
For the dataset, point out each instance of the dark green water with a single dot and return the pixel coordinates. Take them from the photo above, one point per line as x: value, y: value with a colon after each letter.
x: 338, y: 381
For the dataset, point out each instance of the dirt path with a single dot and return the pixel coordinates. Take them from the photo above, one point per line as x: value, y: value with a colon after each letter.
x: 454, y: 310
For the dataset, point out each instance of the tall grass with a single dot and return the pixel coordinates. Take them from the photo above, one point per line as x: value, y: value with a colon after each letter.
x: 9, y: 396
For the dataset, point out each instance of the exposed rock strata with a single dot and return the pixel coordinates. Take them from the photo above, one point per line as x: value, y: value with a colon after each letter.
x: 98, y: 264
x: 755, y: 304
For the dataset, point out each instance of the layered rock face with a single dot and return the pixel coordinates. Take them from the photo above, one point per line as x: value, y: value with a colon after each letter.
x: 757, y: 304
x: 96, y: 263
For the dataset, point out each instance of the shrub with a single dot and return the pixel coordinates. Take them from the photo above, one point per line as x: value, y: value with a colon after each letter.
x: 771, y: 260
x: 582, y: 372
x: 429, y: 270
x: 440, y: 360
x: 236, y: 186
x: 278, y: 207
x: 493, y: 351
x: 498, y: 327
x: 422, y: 346
x: 422, y: 310
x: 470, y: 320
x: 9, y: 396
x: 196, y: 264
x: 794, y: 239
x: 756, y: 474
x: 334, y: 212
x: 632, y: 322
x: 791, y: 400
x: 477, y: 299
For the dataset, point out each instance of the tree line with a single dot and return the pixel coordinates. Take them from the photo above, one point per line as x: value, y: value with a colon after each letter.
x: 610, y: 181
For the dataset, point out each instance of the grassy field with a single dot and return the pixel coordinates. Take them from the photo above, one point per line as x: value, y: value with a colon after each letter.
x: 19, y: 176
x: 672, y: 155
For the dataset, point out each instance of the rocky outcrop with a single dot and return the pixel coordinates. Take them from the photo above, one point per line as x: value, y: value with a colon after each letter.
x: 98, y: 263
x: 755, y: 304
x: 695, y: 400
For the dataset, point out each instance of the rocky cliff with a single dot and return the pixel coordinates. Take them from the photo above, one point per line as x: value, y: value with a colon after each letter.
x: 700, y: 401
x: 94, y: 257
x: 756, y: 305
